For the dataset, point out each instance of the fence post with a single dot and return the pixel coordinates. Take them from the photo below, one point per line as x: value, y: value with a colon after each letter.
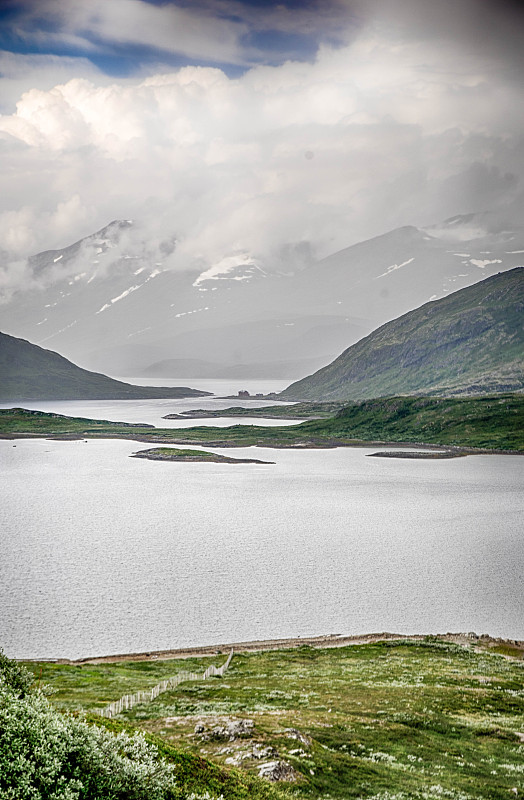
x: 128, y: 701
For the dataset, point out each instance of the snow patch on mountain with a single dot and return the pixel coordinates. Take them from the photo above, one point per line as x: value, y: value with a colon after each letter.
x: 225, y: 266
x: 394, y: 267
x: 137, y: 333
x: 194, y: 311
x: 482, y: 264
x: 120, y: 297
x: 57, y: 333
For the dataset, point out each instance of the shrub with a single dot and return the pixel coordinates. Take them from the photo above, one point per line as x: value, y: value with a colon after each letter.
x: 46, y: 755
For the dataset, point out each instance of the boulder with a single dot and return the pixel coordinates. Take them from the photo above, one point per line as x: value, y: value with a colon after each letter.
x: 228, y: 729
x: 277, y: 771
x: 293, y: 733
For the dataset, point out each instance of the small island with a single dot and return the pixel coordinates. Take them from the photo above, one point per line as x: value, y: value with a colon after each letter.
x: 174, y: 454
x: 418, y: 454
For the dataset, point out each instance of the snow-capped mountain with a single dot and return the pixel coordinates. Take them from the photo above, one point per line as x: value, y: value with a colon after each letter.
x: 111, y: 302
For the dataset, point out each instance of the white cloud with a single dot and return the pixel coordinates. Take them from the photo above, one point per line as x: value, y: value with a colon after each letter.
x: 372, y: 135
x: 20, y: 72
x: 92, y: 24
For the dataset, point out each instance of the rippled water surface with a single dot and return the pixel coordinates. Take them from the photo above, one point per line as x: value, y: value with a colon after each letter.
x: 102, y: 553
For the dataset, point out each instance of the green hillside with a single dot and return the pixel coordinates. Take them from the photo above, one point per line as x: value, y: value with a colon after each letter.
x: 28, y: 372
x: 471, y: 342
x: 483, y: 422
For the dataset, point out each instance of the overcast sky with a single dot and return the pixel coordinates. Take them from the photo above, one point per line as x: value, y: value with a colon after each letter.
x: 245, y: 126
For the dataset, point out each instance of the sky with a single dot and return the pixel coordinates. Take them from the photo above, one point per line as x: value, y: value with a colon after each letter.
x: 244, y: 126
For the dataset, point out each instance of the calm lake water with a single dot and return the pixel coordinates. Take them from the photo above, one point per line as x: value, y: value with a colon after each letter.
x: 101, y: 553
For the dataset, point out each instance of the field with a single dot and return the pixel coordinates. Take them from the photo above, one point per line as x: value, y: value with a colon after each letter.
x: 392, y: 719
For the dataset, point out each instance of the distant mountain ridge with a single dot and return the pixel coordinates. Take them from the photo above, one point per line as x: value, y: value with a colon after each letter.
x: 471, y: 342
x: 28, y: 372
x: 112, y: 303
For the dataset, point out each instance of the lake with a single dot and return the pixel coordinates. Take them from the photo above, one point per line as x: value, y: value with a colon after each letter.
x: 101, y: 553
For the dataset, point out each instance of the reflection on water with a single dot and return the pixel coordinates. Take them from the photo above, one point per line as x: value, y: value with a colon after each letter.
x: 101, y: 553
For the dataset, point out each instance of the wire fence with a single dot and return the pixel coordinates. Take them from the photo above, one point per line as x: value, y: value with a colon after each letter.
x: 148, y: 695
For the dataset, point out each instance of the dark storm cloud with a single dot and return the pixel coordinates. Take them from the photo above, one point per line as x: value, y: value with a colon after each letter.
x: 491, y: 28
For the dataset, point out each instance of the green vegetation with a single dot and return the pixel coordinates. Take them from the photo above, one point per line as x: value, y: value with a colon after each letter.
x: 397, y: 719
x: 493, y: 422
x: 46, y: 754
x: 283, y: 411
x: 468, y: 343
x: 31, y: 373
x: 172, y: 454
x: 41, y: 423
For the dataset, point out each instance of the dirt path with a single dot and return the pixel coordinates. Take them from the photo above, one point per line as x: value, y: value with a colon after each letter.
x: 329, y: 640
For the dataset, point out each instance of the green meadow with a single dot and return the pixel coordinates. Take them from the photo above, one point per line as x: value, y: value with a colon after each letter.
x: 426, y: 719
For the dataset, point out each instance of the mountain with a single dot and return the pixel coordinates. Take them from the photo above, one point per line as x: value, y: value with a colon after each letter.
x: 29, y: 372
x: 277, y: 370
x: 111, y: 302
x: 471, y: 342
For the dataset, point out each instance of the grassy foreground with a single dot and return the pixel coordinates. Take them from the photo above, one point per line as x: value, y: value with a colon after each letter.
x: 46, y: 754
x: 493, y: 422
x: 393, y: 719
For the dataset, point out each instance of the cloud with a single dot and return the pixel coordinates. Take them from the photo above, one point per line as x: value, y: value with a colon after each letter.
x: 488, y: 28
x: 18, y: 72
x: 128, y: 36
x: 94, y: 25
x: 391, y: 128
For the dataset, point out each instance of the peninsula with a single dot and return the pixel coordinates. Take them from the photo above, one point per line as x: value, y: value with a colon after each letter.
x: 489, y: 424
x: 301, y: 411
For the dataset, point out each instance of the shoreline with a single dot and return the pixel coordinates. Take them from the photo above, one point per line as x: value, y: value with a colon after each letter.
x: 326, y: 444
x: 484, y: 641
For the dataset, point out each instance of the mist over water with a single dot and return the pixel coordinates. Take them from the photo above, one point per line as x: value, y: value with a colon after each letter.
x: 102, y: 553
x: 152, y: 412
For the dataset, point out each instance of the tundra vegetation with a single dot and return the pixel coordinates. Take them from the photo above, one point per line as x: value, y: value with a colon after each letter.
x: 491, y: 422
x: 46, y: 754
x: 400, y: 719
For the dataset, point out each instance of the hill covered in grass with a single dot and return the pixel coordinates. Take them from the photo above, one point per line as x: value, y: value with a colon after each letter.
x: 469, y: 343
x: 493, y: 421
x: 28, y: 372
